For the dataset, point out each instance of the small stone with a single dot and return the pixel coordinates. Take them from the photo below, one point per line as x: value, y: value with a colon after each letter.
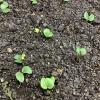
x: 57, y: 91
x: 61, y: 27
x: 99, y: 95
x: 42, y: 16
x: 9, y: 50
x: 2, y: 80
x: 33, y: 14
x: 45, y: 24
x: 27, y: 80
x: 57, y: 72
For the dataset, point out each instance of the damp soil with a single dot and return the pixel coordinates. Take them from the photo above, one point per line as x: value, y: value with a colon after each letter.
x: 76, y: 78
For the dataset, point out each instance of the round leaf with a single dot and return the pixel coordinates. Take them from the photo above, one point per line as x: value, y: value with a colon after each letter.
x: 6, y: 10
x: 20, y: 77
x: 83, y: 51
x: 53, y: 79
x: 47, y: 33
x: 86, y: 16
x: 18, y: 58
x: 43, y: 83
x: 91, y: 17
x: 4, y: 5
x: 50, y: 83
x: 78, y: 51
x: 34, y: 1
x: 27, y: 69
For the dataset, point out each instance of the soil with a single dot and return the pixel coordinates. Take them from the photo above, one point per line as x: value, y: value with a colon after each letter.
x: 76, y: 78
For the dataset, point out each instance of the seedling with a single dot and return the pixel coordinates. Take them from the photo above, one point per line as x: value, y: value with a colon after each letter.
x: 20, y: 75
x: 47, y: 33
x: 4, y: 7
x: 26, y: 70
x: 47, y: 83
x: 89, y: 16
x: 34, y: 2
x: 19, y: 58
x: 36, y: 30
x: 81, y: 51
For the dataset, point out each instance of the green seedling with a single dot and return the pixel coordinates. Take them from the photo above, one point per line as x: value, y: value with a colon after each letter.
x: 81, y: 51
x: 47, y: 83
x: 47, y: 33
x: 20, y: 75
x: 19, y: 58
x: 26, y: 70
x: 89, y: 16
x: 34, y: 2
x: 4, y: 7
x: 37, y: 30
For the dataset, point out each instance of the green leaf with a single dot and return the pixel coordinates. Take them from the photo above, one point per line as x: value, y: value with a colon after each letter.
x: 20, y: 77
x: 50, y: 83
x: 91, y: 17
x: 53, y: 79
x: 34, y: 2
x: 43, y: 83
x: 18, y: 61
x: 6, y: 10
x: 48, y: 33
x: 78, y: 51
x: 23, y: 56
x: 18, y: 58
x: 27, y: 69
x: 47, y: 83
x: 4, y: 5
x: 86, y: 16
x: 81, y: 51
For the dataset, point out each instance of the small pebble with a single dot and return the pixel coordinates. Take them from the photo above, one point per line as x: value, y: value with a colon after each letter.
x: 2, y: 80
x: 9, y: 50
x: 27, y: 80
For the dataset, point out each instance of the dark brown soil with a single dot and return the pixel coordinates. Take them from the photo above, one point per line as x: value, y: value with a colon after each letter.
x: 77, y: 79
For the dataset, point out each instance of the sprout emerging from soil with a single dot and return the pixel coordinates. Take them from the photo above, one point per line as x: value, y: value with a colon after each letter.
x: 89, y: 16
x: 47, y: 83
x: 4, y: 7
x: 34, y: 2
x: 36, y: 30
x: 19, y: 58
x: 81, y: 51
x: 20, y: 75
x: 47, y: 33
